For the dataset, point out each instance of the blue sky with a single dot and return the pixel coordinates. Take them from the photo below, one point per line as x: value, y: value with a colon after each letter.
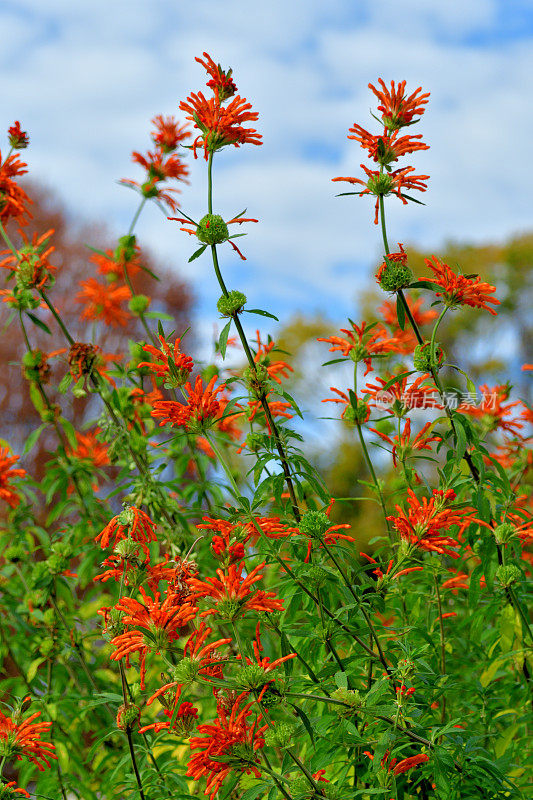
x: 85, y: 78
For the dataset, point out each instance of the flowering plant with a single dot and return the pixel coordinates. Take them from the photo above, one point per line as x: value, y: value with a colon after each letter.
x: 183, y: 600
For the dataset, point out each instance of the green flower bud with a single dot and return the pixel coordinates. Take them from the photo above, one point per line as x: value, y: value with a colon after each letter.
x: 351, y: 698
x: 212, y: 229
x: 15, y: 553
x: 359, y: 414
x: 280, y: 735
x: 186, y: 671
x: 256, y: 380
x: 314, y: 524
x: 125, y: 250
x: 395, y: 275
x: 504, y: 533
x: 422, y: 360
x: 138, y: 304
x: 316, y: 577
x: 232, y: 304
x: 128, y: 717
x: 508, y: 575
x: 251, y: 677
x: 380, y: 184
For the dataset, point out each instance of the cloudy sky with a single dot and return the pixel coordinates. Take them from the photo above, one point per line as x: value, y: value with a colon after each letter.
x: 85, y: 78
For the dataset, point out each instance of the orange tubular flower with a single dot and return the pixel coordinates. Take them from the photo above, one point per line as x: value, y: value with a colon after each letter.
x: 18, y: 139
x: 460, y: 290
x: 84, y: 358
x: 272, y: 527
x: 202, y: 409
x: 171, y: 364
x: 400, y: 398
x: 410, y: 763
x: 184, y: 718
x: 278, y: 408
x: 219, y: 125
x: 262, y: 356
x: 132, y: 523
x: 359, y: 345
x: 12, y: 788
x: 90, y: 449
x: 406, y: 340
x: 398, y: 110
x: 233, y: 594
x: 24, y: 739
x: 7, y: 474
x: 13, y: 199
x: 168, y: 134
x: 386, y: 149
x: 494, y: 411
x: 264, y: 661
x: 349, y: 414
x: 382, y: 184
x: 160, y: 625
x: 104, y: 302
x: 426, y: 523
x: 403, y: 447
x: 31, y: 264
x: 113, y: 265
x: 229, y: 738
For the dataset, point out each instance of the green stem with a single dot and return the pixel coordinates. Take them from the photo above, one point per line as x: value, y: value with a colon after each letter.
x: 242, y: 336
x: 442, y: 647
x: 136, y: 216
x: 374, y: 477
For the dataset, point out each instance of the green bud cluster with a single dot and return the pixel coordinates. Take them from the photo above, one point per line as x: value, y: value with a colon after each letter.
x: 138, y: 304
x: 125, y: 250
x: 504, y: 533
x: 228, y: 610
x: 381, y: 184
x: 422, y: 360
x: 186, y: 671
x: 314, y: 524
x: 351, y: 698
x: 507, y: 575
x: 231, y: 304
x: 15, y: 553
x: 395, y: 276
x: 359, y: 414
x: 251, y: 677
x: 256, y: 380
x: 316, y: 577
x: 280, y: 735
x: 212, y: 229
x: 128, y: 717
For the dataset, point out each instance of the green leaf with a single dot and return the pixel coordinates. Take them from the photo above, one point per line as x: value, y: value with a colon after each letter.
x: 198, y: 253
x: 412, y: 199
x: 341, y: 679
x: 40, y: 324
x: 223, y: 339
x: 261, y: 313
x: 254, y: 791
x: 158, y: 315
x: 32, y: 669
x: 32, y: 439
x: 434, y: 287
x: 305, y: 722
x: 70, y: 432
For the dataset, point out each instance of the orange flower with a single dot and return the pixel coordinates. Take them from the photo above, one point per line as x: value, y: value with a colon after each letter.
x: 13, y: 199
x: 398, y: 110
x: 382, y: 184
x: 132, y: 523
x: 494, y: 410
x: 18, y: 139
x: 359, y: 345
x: 24, y: 739
x: 179, y: 721
x: 410, y: 763
x: 262, y: 356
x: 425, y: 524
x: 460, y: 290
x: 168, y: 134
x: 399, y: 398
x: 7, y: 474
x: 233, y: 594
x: 90, y: 449
x: 104, y: 302
x: 403, y: 447
x: 11, y: 786
x: 386, y: 149
x: 113, y: 264
x: 201, y: 410
x: 174, y: 366
x: 360, y: 415
x: 225, y: 738
x: 160, y: 625
x: 219, y: 125
x: 264, y: 661
x: 278, y: 408
x: 30, y: 264
x: 221, y: 81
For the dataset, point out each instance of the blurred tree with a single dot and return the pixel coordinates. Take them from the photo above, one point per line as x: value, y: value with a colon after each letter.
x: 72, y: 258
